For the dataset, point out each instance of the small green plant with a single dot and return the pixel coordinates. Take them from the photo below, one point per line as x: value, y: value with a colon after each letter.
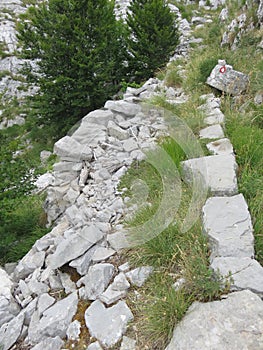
x: 205, y: 68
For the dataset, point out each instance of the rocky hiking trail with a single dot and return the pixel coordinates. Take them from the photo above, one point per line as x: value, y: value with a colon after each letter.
x: 39, y: 298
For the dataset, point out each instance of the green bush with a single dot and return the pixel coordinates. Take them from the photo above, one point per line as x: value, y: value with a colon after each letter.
x: 205, y: 68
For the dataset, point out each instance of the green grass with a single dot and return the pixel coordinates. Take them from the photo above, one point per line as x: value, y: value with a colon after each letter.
x: 173, y: 253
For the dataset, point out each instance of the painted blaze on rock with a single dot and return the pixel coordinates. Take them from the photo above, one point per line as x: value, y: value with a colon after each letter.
x: 224, y: 78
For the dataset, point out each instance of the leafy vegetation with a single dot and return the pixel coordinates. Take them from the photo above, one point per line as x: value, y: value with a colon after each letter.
x: 153, y: 36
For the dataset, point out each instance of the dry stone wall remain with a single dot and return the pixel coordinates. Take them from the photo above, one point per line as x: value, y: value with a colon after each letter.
x: 86, y: 209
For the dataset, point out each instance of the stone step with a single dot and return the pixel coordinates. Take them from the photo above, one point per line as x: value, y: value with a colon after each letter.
x: 227, y: 223
x: 233, y: 323
x: 218, y: 173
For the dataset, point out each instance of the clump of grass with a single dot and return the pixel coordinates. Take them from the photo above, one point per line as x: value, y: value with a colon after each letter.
x: 173, y: 78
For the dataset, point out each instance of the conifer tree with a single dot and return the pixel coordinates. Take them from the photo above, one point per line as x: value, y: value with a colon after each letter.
x: 153, y: 36
x: 79, y: 47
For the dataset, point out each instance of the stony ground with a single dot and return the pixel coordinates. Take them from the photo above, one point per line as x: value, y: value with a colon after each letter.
x: 78, y: 268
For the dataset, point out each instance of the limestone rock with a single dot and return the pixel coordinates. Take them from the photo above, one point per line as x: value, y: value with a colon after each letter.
x: 30, y: 262
x: 69, y: 149
x: 224, y: 78
x: 74, y: 330
x: 83, y: 263
x: 220, y: 147
x: 102, y: 253
x: 115, y: 131
x: 96, y: 280
x: 107, y: 324
x: 74, y: 246
x: 44, y: 302
x: 49, y: 344
x: 218, y: 173
x: 89, y: 134
x: 128, y: 344
x: 94, y: 346
x: 212, y: 132
x: 99, y: 116
x: 123, y: 107
x: 6, y: 285
x: 246, y: 273
x: 139, y: 275
x: 233, y: 323
x: 227, y: 222
x: 9, y: 332
x: 55, y: 320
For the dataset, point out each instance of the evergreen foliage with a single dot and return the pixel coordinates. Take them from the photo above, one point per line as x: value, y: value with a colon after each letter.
x: 153, y: 36
x: 76, y: 43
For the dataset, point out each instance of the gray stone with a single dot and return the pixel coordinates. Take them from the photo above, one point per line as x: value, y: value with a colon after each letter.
x: 94, y: 346
x: 124, y: 267
x: 96, y: 280
x: 55, y: 320
x: 227, y: 222
x: 83, y: 263
x: 218, y: 173
x: 99, y: 116
x: 258, y: 99
x: 123, y: 107
x: 102, y: 253
x: 128, y: 344
x: 212, y: 132
x: 30, y: 262
x: 74, y: 330
x: 107, y: 324
x: 36, y: 287
x: 115, y: 131
x: 118, y: 240
x: 245, y: 273
x: 223, y: 16
x: 233, y: 323
x: 138, y: 276
x: 260, y: 13
x: 214, y: 117
x: 44, y: 302
x: 69, y: 149
x: 116, y: 290
x: 9, y: 332
x: 76, y: 245
x: 220, y: 147
x: 68, y: 285
x: 129, y: 145
x: 6, y: 284
x: 224, y: 78
x: 49, y: 344
x: 89, y: 134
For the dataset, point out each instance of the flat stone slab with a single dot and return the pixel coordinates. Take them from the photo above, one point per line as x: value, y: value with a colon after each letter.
x: 74, y: 246
x: 70, y: 149
x: 9, y: 332
x: 107, y: 324
x: 220, y: 147
x: 212, y: 132
x: 227, y: 223
x: 214, y: 117
x: 218, y: 173
x: 99, y: 116
x: 90, y: 134
x: 55, y: 320
x: 123, y: 107
x: 224, y: 78
x: 233, y: 323
x: 245, y: 273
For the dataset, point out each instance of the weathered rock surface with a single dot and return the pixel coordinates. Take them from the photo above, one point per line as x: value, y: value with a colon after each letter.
x: 9, y: 332
x: 218, y: 172
x: 227, y: 222
x: 75, y: 245
x: 212, y: 132
x: 224, y: 78
x: 139, y: 275
x: 245, y: 273
x: 220, y: 147
x: 55, y: 320
x: 69, y: 149
x: 107, y: 325
x: 49, y: 344
x: 233, y: 323
x: 126, y: 108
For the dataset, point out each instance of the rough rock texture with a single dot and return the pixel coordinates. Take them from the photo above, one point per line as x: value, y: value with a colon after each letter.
x: 55, y: 320
x: 245, y: 273
x: 220, y: 147
x: 107, y: 325
x: 233, y: 323
x: 218, y: 172
x: 227, y: 222
x: 224, y: 78
x: 9, y: 332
